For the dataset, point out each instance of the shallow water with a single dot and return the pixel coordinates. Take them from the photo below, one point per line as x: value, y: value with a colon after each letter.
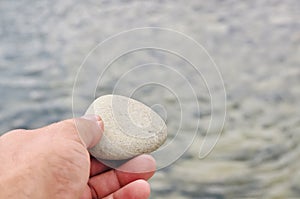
x: 255, y: 45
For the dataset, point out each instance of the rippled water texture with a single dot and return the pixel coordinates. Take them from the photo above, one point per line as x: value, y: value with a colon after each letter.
x: 256, y: 45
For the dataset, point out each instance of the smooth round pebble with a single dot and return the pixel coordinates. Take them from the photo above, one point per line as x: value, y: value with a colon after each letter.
x: 130, y: 128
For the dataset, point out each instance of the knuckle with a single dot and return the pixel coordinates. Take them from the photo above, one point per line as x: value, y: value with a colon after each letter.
x: 12, y: 134
x: 70, y: 125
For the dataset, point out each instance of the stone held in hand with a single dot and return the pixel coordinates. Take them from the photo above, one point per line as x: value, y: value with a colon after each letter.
x: 130, y: 128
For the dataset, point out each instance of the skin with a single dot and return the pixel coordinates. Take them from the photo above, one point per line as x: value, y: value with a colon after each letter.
x: 53, y: 162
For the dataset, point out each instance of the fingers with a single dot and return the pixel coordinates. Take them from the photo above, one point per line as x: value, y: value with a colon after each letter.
x: 97, y: 167
x: 87, y: 130
x: 137, y: 189
x: 141, y: 167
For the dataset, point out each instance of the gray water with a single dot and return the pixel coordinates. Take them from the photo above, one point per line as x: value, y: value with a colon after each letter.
x: 256, y: 45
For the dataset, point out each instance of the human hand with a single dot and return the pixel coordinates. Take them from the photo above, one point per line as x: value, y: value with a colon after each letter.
x: 53, y: 162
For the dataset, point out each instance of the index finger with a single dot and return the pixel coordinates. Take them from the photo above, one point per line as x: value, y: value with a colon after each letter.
x: 141, y: 167
x: 97, y: 167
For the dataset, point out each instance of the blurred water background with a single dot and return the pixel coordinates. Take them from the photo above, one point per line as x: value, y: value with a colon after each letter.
x: 256, y: 45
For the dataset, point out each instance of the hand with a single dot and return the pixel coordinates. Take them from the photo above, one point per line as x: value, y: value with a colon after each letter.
x: 53, y: 162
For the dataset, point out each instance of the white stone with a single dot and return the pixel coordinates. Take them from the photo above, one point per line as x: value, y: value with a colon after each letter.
x: 130, y: 128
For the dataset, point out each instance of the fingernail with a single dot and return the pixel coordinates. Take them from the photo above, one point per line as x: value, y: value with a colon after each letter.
x: 101, y: 124
x: 95, y: 118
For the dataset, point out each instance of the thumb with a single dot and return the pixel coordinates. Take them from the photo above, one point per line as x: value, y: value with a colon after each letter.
x: 87, y: 130
x: 90, y: 129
